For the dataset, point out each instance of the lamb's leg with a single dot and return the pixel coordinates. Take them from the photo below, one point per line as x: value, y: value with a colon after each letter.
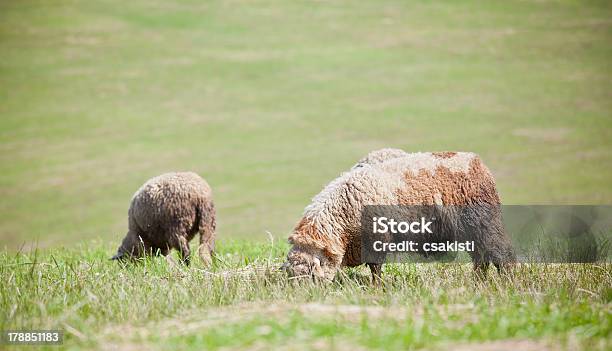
x: 142, y: 248
x: 376, y: 270
x: 483, y: 224
x: 506, y: 258
x: 496, y: 252
x: 498, y: 244
x: 480, y: 256
x: 480, y: 269
x: 183, y: 247
x: 207, y: 226
x: 503, y: 268
x: 133, y: 245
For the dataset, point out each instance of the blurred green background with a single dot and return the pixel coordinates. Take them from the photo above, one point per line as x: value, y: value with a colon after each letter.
x: 269, y: 100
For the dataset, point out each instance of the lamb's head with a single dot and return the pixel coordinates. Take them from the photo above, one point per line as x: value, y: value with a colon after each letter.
x: 310, y: 263
x: 131, y: 247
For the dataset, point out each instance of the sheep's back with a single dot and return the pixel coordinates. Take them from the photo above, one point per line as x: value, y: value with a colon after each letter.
x: 444, y: 178
x: 379, y: 156
x: 169, y: 201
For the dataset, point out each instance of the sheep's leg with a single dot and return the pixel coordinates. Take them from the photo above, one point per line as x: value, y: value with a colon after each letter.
x: 133, y: 246
x: 183, y: 247
x: 483, y: 225
x: 503, y: 268
x: 207, y: 226
x: 159, y: 251
x: 505, y: 262
x: 143, y: 249
x: 480, y: 269
x: 376, y: 270
x: 498, y: 246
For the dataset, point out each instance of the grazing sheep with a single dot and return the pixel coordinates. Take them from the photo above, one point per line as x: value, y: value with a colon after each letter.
x: 166, y: 213
x: 328, y: 235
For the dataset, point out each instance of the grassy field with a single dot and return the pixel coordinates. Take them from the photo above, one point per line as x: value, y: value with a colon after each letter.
x: 246, y: 303
x: 269, y: 100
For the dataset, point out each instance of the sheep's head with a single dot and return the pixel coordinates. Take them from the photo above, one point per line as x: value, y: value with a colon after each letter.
x: 309, y: 263
x: 131, y: 247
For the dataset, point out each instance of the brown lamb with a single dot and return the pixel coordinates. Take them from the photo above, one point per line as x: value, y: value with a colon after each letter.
x: 166, y: 213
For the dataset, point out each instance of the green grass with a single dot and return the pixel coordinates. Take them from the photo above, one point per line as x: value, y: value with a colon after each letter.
x: 246, y: 302
x: 270, y: 100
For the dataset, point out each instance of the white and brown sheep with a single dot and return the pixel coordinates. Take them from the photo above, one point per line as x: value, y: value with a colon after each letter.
x: 328, y: 236
x: 166, y: 213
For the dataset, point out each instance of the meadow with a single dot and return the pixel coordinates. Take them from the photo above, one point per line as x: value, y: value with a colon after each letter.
x: 268, y: 101
x: 245, y: 302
